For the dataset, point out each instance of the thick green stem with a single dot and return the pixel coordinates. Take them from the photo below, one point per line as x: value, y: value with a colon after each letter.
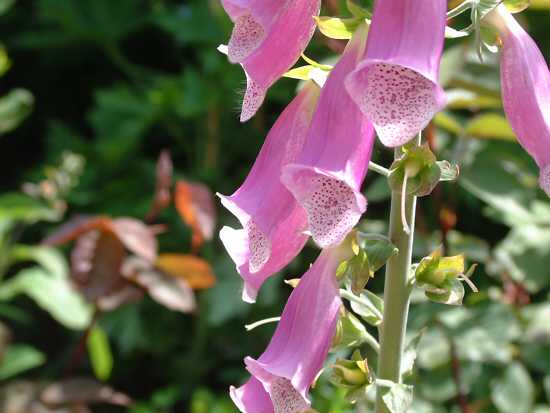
x: 396, y: 294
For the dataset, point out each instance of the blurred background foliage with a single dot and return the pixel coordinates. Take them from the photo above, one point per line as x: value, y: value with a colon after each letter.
x: 92, y: 91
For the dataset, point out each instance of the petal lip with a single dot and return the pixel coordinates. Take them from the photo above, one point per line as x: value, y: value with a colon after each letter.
x: 399, y: 100
x: 333, y: 204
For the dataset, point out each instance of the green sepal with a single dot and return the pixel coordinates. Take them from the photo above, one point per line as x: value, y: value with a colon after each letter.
x: 350, y: 332
x: 423, y: 171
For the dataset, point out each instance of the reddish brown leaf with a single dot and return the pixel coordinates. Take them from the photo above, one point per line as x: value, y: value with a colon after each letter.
x: 82, y: 390
x: 96, y: 260
x: 128, y: 293
x: 173, y: 293
x: 196, y: 272
x: 195, y: 204
x: 162, y: 188
x: 77, y: 226
x: 135, y: 236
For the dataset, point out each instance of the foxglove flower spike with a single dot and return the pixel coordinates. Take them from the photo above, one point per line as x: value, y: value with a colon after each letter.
x: 273, y: 223
x: 396, y: 85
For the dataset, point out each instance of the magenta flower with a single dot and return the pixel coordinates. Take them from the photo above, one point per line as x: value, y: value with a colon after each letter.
x: 396, y: 85
x: 273, y: 222
x: 326, y: 179
x: 300, y: 344
x: 525, y: 90
x: 267, y: 39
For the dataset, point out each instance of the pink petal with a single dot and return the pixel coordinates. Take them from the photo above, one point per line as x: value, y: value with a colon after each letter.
x: 326, y: 179
x: 267, y: 39
x: 273, y: 222
x: 396, y: 84
x: 300, y: 344
x: 525, y: 87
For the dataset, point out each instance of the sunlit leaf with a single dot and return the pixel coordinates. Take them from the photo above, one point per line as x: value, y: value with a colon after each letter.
x: 196, y: 272
x: 195, y: 203
x: 53, y: 294
x: 163, y: 184
x: 18, y: 359
x: 337, y: 28
x: 14, y: 108
x: 490, y: 126
x: 100, y: 353
x: 136, y: 237
x: 18, y: 207
x: 514, y: 391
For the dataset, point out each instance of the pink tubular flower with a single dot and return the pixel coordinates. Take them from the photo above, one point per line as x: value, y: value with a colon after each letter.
x: 267, y: 39
x: 326, y: 179
x: 396, y: 85
x: 283, y: 374
x: 273, y: 222
x: 525, y: 90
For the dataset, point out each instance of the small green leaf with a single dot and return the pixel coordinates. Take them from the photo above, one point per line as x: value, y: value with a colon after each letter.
x: 514, y: 392
x: 18, y: 359
x: 351, y: 333
x: 410, y: 353
x: 6, y: 5
x: 100, y: 353
x: 516, y: 6
x: 300, y: 73
x: 490, y: 126
x: 379, y: 249
x: 446, y: 121
x: 18, y: 207
x: 14, y: 108
x: 450, y: 294
x: 423, y: 171
x: 397, y: 397
x: 337, y: 28
x: 357, y: 10
x: 54, y: 294
x: 369, y: 307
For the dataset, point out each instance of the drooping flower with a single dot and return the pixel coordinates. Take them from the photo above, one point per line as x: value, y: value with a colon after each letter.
x: 273, y: 222
x: 267, y: 39
x: 525, y: 84
x: 327, y: 177
x: 396, y: 85
x: 283, y: 374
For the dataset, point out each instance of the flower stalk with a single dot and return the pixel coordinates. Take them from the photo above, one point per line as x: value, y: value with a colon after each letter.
x: 396, y: 291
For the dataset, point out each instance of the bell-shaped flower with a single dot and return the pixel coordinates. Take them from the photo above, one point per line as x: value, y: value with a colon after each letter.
x: 273, y: 223
x: 396, y: 85
x: 525, y: 84
x: 283, y: 374
x: 327, y: 177
x: 267, y: 39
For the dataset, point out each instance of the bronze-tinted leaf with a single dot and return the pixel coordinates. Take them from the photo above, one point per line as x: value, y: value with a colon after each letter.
x: 162, y: 195
x: 128, y: 293
x: 196, y: 272
x: 195, y: 203
x: 96, y: 260
x: 82, y: 390
x: 77, y: 226
x: 135, y: 236
x: 173, y: 293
